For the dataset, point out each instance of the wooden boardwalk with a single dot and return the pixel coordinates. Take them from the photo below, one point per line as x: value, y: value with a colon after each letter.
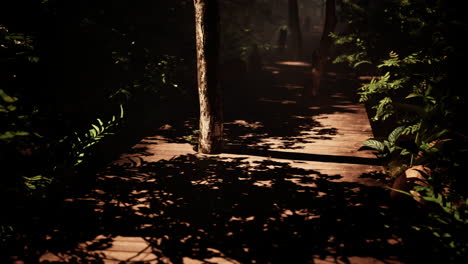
x: 277, y: 145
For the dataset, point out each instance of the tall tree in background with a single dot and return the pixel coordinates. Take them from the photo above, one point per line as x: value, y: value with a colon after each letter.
x: 207, y: 41
x: 295, y: 47
x: 329, y: 26
x: 325, y: 44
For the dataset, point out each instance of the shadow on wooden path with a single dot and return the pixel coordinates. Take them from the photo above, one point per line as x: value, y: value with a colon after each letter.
x: 291, y: 187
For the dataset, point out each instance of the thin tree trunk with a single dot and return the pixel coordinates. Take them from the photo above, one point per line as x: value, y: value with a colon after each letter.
x: 207, y: 39
x: 329, y: 26
x: 325, y: 44
x: 295, y: 29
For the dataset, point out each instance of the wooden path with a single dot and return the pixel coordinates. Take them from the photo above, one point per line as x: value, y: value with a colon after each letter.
x: 288, y: 189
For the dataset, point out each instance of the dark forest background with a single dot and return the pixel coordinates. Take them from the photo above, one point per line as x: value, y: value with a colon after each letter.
x: 82, y: 80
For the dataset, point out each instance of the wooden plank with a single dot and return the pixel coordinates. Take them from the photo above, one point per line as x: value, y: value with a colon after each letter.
x: 327, y: 155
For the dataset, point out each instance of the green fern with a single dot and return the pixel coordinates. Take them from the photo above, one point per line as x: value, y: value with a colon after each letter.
x: 36, y: 182
x: 95, y: 134
x: 359, y: 55
x: 384, y: 109
x: 396, y: 133
x: 412, y: 129
x: 393, y: 61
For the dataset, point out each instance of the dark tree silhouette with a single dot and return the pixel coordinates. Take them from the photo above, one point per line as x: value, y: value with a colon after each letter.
x: 282, y: 38
x: 325, y: 44
x: 295, y: 47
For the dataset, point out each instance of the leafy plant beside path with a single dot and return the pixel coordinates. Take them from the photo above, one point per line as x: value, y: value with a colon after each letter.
x: 418, y: 89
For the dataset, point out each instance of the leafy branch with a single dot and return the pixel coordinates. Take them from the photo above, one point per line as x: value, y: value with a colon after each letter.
x: 98, y: 131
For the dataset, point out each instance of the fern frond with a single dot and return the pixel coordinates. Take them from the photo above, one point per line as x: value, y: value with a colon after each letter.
x: 374, y: 144
x: 396, y: 133
x: 413, y: 129
x: 95, y: 134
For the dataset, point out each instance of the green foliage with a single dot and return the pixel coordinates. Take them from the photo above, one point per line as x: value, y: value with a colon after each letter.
x: 6, y: 232
x: 411, y: 91
x: 249, y: 24
x: 395, y: 134
x: 36, y: 182
x: 16, y: 46
x: 32, y: 152
x: 375, y: 144
x: 192, y: 139
x: 15, y: 49
x: 82, y: 146
x: 418, y: 89
x: 163, y: 75
x: 79, y: 60
x: 19, y: 140
x: 388, y: 146
x: 447, y: 222
x: 158, y: 78
x: 359, y: 55
x: 16, y: 131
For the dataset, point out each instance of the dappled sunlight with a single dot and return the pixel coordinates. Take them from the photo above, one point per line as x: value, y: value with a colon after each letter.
x: 293, y: 63
x: 233, y: 132
x: 254, y: 125
x: 109, y: 249
x: 261, y: 211
x: 287, y: 188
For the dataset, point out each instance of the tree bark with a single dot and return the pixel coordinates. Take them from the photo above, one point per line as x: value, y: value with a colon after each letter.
x: 295, y: 28
x: 207, y: 41
x: 325, y: 44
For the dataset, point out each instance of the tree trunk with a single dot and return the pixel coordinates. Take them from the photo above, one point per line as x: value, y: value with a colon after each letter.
x: 329, y: 26
x: 325, y: 44
x: 207, y: 39
x: 295, y: 47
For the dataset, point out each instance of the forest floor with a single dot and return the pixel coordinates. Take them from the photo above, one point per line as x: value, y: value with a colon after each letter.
x: 291, y: 187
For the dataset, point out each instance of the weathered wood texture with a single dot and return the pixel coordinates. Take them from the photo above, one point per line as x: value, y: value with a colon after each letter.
x: 330, y: 148
x: 207, y: 41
